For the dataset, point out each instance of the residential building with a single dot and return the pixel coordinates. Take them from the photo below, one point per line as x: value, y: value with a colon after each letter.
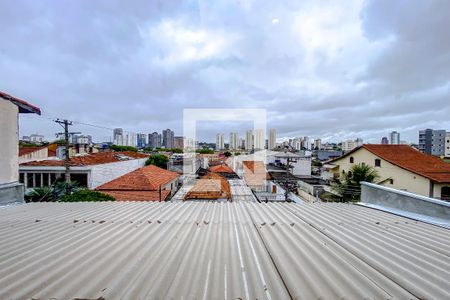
x: 118, y: 138
x: 272, y: 139
x: 149, y: 183
x: 384, y: 140
x: 432, y: 142
x: 168, y: 138
x: 37, y: 138
x: 234, y: 141
x: 447, y: 145
x: 178, y: 142
x: 89, y: 170
x: 32, y: 153
x: 154, y: 140
x: 141, y: 140
x: 400, y: 167
x: 10, y: 108
x: 351, y: 144
x: 249, y: 140
x: 394, y: 138
x: 317, y: 144
x: 259, y: 139
x: 220, y: 144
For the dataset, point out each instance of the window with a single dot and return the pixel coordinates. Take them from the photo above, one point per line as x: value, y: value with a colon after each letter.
x: 21, y: 178
x: 377, y: 162
x: 352, y: 160
x: 391, y: 181
x: 445, y: 193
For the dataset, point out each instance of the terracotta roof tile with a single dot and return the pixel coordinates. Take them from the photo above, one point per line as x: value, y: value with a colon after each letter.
x: 221, y: 169
x: 208, y: 187
x: 89, y: 159
x: 148, y: 178
x: 28, y: 150
x: 24, y: 106
x: 410, y: 159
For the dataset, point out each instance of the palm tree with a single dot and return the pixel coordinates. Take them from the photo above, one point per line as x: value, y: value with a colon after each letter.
x: 349, y: 186
x: 40, y: 194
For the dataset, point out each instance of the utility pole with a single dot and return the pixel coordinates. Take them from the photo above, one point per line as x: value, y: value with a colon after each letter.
x: 65, y: 124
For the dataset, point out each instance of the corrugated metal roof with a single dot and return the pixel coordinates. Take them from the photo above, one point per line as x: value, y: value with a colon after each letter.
x: 194, y: 250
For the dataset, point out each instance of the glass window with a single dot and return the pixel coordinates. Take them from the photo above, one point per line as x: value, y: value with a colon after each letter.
x: 352, y: 160
x: 377, y: 162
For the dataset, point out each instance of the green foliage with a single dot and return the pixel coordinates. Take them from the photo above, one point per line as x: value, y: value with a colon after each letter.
x: 122, y: 148
x: 205, y: 151
x: 349, y: 187
x: 158, y: 160
x: 316, y: 163
x: 85, y: 195
x: 40, y: 194
x: 227, y: 153
x: 173, y: 150
x: 237, y: 153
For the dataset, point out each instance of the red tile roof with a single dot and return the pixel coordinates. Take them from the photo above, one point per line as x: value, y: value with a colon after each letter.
x: 89, y: 159
x: 148, y: 178
x: 209, y: 187
x: 28, y: 150
x: 221, y: 169
x: 24, y: 106
x: 410, y: 159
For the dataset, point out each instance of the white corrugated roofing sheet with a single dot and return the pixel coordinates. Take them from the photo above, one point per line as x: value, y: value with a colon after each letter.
x: 194, y: 250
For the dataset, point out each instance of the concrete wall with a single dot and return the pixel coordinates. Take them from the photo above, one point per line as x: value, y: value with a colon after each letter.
x: 9, y: 137
x: 402, y: 179
x: 11, y: 193
x: 406, y: 204
x: 103, y: 173
x: 40, y: 154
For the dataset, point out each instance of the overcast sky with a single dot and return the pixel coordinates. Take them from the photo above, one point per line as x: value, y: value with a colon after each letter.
x: 322, y: 69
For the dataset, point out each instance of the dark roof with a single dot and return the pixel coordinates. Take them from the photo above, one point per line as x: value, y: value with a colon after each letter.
x: 408, y: 158
x: 24, y: 106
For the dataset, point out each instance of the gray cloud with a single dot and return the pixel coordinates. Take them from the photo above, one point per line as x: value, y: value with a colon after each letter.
x: 320, y: 69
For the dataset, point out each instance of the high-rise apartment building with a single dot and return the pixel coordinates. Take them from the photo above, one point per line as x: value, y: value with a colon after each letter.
x: 141, y: 140
x: 118, y: 138
x: 220, y: 143
x: 384, y: 140
x: 317, y: 144
x: 432, y: 142
x: 447, y: 144
x: 259, y: 139
x: 178, y: 142
x: 394, y: 138
x: 154, y: 140
x: 350, y: 144
x: 234, y: 141
x: 249, y: 140
x: 168, y: 138
x: 272, y: 139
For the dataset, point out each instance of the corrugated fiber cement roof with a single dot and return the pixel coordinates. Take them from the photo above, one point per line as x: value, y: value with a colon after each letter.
x: 192, y: 250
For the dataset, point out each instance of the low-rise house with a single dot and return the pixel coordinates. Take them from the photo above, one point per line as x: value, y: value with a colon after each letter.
x: 223, y: 170
x: 10, y: 107
x: 149, y: 183
x: 210, y: 187
x: 400, y: 167
x: 89, y: 170
x: 27, y: 154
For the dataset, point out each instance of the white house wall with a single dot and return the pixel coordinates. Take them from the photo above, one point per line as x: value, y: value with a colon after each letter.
x: 9, y: 139
x: 103, y: 173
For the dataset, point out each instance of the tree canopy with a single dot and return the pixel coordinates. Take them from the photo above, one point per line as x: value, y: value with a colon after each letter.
x: 349, y: 186
x: 158, y: 160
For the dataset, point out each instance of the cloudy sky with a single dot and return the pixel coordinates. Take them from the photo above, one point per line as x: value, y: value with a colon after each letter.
x: 329, y: 69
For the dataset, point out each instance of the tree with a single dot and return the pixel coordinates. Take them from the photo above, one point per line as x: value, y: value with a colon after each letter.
x: 227, y: 153
x: 349, y: 187
x: 85, y: 195
x: 122, y: 148
x: 158, y: 160
x: 40, y: 194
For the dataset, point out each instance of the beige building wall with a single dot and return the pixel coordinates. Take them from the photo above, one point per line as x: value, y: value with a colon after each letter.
x: 402, y: 179
x: 9, y: 136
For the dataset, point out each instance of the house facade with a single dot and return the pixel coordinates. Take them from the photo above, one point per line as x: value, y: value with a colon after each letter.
x: 10, y: 107
x: 400, y: 167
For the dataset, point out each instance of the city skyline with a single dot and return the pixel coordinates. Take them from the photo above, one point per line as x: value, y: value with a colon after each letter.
x: 319, y: 69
